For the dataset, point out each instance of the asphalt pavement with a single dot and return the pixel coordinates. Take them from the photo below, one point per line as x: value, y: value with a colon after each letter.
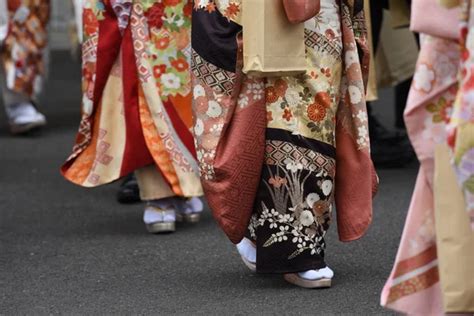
x: 73, y: 251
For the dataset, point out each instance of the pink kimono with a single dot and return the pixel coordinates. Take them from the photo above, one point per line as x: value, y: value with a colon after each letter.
x: 413, y: 287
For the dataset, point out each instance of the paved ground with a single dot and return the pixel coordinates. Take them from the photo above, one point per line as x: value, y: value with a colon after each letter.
x: 69, y: 250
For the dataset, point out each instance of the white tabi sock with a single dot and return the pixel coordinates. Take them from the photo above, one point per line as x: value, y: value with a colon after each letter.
x: 247, y: 250
x: 325, y: 273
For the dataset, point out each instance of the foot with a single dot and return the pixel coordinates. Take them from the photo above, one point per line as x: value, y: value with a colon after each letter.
x: 129, y: 191
x: 189, y: 209
x: 248, y: 253
x: 311, y: 279
x: 159, y: 218
x: 24, y: 117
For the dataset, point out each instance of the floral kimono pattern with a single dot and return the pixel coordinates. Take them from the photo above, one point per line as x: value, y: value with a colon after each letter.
x: 413, y: 287
x: 136, y: 106
x: 461, y: 127
x: 305, y: 117
x: 24, y: 48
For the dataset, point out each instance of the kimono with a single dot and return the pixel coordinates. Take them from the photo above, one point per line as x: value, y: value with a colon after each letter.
x: 136, y: 104
x: 413, y: 286
x: 24, y: 48
x: 439, y: 111
x: 306, y: 116
x: 461, y: 127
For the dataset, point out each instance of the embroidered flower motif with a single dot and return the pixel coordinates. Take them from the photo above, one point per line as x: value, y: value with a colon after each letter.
x: 258, y: 90
x: 243, y: 101
x: 320, y: 207
x: 281, y: 86
x: 363, y: 131
x: 277, y: 182
x: 306, y: 218
x: 216, y: 128
x: 362, y: 116
x: 330, y: 34
x: 352, y: 57
x: 287, y: 115
x: 312, y: 198
x: 326, y: 187
x: 214, y: 110
x: 294, y: 167
x: 424, y: 78
x: 441, y: 110
x: 159, y: 70
x: 155, y: 15
x: 180, y: 64
x: 232, y: 10
x: 199, y: 127
x: 292, y: 97
x: 326, y: 72
x: 271, y: 95
x: 162, y: 43
x: 199, y: 91
x: 316, y: 112
x: 170, y: 81
x: 355, y: 94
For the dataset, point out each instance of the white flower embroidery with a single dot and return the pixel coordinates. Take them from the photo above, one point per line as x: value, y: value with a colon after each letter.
x: 363, y: 132
x: 199, y: 127
x: 327, y: 187
x: 362, y: 142
x: 355, y: 94
x: 292, y: 97
x: 216, y: 128
x: 243, y: 101
x: 424, y: 78
x: 351, y: 58
x: 306, y: 218
x: 362, y: 116
x: 199, y: 91
x: 170, y: 81
x: 214, y: 110
x: 294, y: 167
x: 257, y: 89
x: 312, y: 198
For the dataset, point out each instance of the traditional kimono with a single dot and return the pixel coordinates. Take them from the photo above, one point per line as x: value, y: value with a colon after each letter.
x: 461, y: 127
x: 436, y: 104
x: 306, y: 116
x: 24, y: 48
x: 413, y: 287
x: 136, y: 105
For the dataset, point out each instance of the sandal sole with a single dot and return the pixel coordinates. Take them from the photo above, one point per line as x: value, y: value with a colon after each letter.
x: 158, y: 228
x: 295, y: 279
x: 252, y: 266
x: 189, y: 218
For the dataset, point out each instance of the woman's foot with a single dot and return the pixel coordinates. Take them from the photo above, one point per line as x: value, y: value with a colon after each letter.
x: 159, y: 218
x: 311, y: 279
x: 248, y: 253
x: 24, y: 117
x: 190, y: 209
